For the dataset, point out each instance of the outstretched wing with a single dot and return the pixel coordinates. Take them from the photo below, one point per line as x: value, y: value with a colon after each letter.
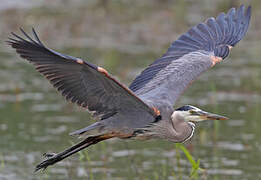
x: 80, y: 82
x: 193, y: 53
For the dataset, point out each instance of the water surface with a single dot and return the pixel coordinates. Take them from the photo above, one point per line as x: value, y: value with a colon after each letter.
x: 124, y: 39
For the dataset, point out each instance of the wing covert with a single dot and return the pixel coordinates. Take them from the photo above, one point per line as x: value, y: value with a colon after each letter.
x: 191, y: 54
x: 78, y: 81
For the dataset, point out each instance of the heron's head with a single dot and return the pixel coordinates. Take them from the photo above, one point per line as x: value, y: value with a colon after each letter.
x: 194, y: 114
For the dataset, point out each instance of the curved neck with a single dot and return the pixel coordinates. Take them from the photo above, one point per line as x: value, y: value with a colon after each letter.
x: 181, y: 130
x: 174, y: 129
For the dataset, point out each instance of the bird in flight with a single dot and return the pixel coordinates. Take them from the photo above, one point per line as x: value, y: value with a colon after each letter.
x: 145, y: 109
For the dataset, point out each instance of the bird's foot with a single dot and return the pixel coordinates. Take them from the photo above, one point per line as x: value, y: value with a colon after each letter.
x: 49, y: 155
x: 51, y: 158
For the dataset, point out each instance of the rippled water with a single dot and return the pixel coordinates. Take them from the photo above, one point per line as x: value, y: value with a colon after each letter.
x: 36, y: 119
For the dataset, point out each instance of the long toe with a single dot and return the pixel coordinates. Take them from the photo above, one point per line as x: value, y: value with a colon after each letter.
x: 52, y: 159
x: 49, y: 155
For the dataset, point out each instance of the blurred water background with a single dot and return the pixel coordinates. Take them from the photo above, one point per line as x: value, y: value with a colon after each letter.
x: 124, y: 37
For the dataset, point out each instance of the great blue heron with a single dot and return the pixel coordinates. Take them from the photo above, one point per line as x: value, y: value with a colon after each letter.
x: 145, y: 109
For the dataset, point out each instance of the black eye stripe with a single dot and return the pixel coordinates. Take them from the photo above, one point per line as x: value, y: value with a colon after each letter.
x: 184, y: 108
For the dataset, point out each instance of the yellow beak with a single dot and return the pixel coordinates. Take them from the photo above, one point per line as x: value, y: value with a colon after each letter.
x: 210, y: 116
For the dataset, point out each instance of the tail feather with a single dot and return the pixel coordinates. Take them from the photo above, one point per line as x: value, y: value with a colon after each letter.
x: 70, y: 151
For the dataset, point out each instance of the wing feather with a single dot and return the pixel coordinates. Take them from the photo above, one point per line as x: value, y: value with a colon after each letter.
x: 79, y: 81
x: 190, y: 55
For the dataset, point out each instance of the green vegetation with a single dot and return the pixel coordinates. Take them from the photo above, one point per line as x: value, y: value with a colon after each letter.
x: 195, y: 169
x: 84, y: 157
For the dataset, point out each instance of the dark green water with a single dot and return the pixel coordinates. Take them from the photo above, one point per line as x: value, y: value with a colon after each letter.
x: 124, y: 39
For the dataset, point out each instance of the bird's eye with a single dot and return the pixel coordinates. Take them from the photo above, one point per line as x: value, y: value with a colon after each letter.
x: 192, y: 112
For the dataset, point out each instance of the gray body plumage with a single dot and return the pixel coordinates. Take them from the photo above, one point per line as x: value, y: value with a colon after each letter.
x: 145, y: 109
